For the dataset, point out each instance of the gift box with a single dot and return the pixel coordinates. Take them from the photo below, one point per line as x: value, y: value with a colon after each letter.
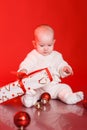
x: 35, y: 80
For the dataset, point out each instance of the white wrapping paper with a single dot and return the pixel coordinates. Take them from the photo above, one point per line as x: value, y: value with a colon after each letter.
x: 37, y: 79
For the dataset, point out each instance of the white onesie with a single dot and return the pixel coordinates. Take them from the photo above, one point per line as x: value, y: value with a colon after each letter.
x: 55, y: 62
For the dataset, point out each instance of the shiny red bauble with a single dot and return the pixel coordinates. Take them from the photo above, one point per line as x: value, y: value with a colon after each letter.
x: 45, y: 97
x: 85, y: 103
x: 22, y: 119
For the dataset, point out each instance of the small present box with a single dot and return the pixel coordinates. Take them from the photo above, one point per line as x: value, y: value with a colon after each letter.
x: 35, y: 80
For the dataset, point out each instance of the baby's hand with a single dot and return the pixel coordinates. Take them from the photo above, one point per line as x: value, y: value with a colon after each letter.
x: 21, y: 74
x: 67, y: 70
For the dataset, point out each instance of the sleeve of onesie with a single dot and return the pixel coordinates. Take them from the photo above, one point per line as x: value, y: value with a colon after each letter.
x: 61, y: 64
x: 28, y: 63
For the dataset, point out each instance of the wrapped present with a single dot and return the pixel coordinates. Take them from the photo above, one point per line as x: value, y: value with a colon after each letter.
x: 35, y: 80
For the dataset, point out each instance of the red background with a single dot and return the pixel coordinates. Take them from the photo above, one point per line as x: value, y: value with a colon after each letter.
x: 18, y: 18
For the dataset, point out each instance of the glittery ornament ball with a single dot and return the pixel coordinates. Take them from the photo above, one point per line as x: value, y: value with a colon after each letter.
x: 22, y: 119
x: 38, y: 105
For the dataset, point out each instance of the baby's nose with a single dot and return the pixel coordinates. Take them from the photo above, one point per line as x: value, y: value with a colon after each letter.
x: 45, y: 48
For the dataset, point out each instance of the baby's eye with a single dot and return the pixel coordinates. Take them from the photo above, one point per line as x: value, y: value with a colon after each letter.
x: 49, y: 45
x: 41, y: 45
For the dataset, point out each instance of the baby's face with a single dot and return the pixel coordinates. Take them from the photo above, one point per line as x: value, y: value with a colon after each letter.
x: 44, y: 44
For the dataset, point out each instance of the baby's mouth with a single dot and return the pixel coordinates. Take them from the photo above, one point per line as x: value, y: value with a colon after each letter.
x: 45, y: 53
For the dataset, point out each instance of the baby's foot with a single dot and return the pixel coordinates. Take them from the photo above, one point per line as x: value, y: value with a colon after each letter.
x: 74, y: 98
x: 79, y: 95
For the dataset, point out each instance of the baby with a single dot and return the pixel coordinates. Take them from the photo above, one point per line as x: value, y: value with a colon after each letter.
x: 44, y: 56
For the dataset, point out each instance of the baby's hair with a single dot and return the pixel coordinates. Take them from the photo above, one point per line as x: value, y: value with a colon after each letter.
x: 44, y: 28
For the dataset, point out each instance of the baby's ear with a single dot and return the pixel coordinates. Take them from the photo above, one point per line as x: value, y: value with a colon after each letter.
x: 34, y: 43
x: 54, y: 40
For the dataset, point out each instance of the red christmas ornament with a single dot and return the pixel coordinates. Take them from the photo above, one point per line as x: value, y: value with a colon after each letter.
x: 85, y: 103
x: 22, y: 119
x: 45, y: 97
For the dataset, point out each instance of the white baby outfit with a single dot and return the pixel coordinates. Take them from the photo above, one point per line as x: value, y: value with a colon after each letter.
x: 54, y: 62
